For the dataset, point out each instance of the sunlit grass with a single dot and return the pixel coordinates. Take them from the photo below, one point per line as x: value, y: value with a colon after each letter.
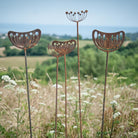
x: 14, y: 112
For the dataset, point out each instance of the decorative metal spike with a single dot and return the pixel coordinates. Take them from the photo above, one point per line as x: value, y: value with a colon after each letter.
x: 25, y: 40
x: 107, y: 42
x: 51, y: 50
x: 77, y: 17
x: 63, y: 48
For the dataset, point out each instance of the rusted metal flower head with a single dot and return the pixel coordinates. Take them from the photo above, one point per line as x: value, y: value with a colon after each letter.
x: 64, y: 47
x: 24, y: 40
x: 108, y: 42
x: 76, y: 16
x: 51, y: 51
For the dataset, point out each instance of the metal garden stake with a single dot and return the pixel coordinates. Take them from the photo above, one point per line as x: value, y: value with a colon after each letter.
x: 25, y: 40
x: 107, y: 42
x: 78, y: 17
x: 64, y: 48
x: 52, y: 52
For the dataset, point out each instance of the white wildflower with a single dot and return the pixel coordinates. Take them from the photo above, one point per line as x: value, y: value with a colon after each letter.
x: 70, y: 98
x: 99, y: 94
x: 122, y: 126
x: 73, y: 78
x: 76, y: 87
x: 9, y: 86
x: 59, y: 86
x: 42, y: 104
x: 6, y: 78
x: 74, y: 126
x: 60, y: 115
x: 21, y: 90
x: 79, y: 111
x: 116, y: 115
x: 113, y: 103
x: 92, y: 91
x: 122, y: 78
x: 34, y: 109
x: 95, y: 78
x: 12, y: 82
x: 93, y: 96
x: 34, y: 84
x: 62, y: 96
x: 35, y: 91
x: 73, y: 81
x: 63, y: 125
x: 135, y: 109
x: 84, y: 94
x: 113, y: 74
x: 0, y: 92
x: 132, y: 84
x: 116, y: 96
x: 85, y: 76
x: 52, y: 132
x: 86, y: 102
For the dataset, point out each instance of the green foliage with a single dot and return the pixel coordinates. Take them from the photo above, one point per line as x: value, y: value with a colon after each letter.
x: 39, y: 50
x: 132, y: 36
x: 92, y: 63
x: 7, y: 134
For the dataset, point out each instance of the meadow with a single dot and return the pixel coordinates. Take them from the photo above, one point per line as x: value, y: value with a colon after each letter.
x: 121, y: 97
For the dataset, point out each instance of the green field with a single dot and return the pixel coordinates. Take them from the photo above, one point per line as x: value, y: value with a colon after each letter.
x: 18, y: 61
x: 14, y: 62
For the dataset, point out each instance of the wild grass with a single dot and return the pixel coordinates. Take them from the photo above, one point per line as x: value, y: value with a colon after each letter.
x: 14, y: 111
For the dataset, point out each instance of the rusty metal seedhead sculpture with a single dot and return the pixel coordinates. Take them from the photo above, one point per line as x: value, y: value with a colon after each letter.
x: 78, y: 17
x: 25, y: 40
x: 57, y: 49
x: 64, y: 47
x: 107, y: 42
x: 51, y: 51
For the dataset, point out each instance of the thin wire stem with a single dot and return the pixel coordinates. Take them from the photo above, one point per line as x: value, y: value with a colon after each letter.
x: 104, y: 95
x: 112, y: 122
x: 56, y: 100
x: 65, y: 97
x: 79, y: 78
x: 28, y: 97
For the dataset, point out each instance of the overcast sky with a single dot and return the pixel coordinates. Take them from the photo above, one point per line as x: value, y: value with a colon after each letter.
x: 100, y: 12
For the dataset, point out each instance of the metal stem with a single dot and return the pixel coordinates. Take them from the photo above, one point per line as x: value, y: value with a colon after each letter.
x: 65, y: 97
x: 28, y: 94
x: 79, y: 78
x: 112, y: 123
x: 56, y: 100
x: 104, y: 95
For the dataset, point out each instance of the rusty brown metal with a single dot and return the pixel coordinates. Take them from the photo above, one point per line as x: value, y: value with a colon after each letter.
x: 63, y: 48
x: 25, y: 40
x: 107, y: 42
x: 78, y: 17
x: 51, y: 50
